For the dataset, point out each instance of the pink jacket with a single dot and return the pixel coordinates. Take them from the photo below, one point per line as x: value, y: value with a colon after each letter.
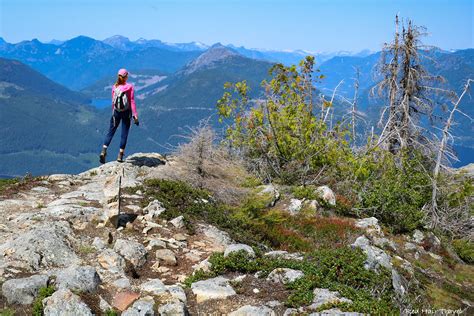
x: 128, y: 89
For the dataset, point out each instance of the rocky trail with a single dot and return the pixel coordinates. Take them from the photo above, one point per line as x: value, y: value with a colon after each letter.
x: 102, y: 247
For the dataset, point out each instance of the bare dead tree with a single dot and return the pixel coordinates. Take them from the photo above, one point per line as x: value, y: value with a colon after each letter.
x: 435, y: 217
x: 410, y: 91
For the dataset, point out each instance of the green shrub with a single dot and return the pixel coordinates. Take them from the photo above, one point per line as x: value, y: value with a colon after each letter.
x: 43, y: 293
x: 7, y: 312
x: 395, y: 190
x: 305, y: 192
x: 340, y: 269
x: 465, y: 249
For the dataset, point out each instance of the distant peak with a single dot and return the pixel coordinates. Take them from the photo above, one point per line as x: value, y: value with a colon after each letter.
x: 117, y: 38
x: 215, y: 53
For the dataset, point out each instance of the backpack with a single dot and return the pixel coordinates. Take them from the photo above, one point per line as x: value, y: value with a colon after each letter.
x: 120, y: 100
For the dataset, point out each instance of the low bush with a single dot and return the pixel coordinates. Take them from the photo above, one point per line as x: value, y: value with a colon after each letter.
x: 43, y: 293
x: 465, y: 250
x: 340, y: 269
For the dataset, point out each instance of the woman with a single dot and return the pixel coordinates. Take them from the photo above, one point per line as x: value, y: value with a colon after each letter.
x: 123, y: 108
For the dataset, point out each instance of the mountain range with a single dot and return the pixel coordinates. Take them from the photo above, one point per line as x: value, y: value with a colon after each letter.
x: 49, y: 127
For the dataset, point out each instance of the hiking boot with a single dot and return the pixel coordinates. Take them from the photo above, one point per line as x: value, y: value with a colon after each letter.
x: 120, y: 156
x: 103, y: 154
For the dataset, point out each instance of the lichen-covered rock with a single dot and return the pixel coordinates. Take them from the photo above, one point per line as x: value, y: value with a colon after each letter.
x: 112, y: 261
x: 325, y: 296
x: 375, y: 256
x: 238, y: 247
x: 370, y: 224
x: 65, y: 303
x: 23, y: 291
x: 216, y: 288
x: 204, y: 265
x: 166, y: 257
x: 284, y: 275
x: 172, y: 309
x: 249, y: 310
x: 270, y: 193
x: 418, y: 236
x: 295, y: 206
x: 284, y: 255
x: 143, y: 307
x: 154, y: 287
x: 153, y: 210
x: 83, y: 279
x: 219, y: 239
x: 177, y: 292
x: 326, y: 194
x: 132, y: 251
x: 178, y: 222
x: 46, y: 246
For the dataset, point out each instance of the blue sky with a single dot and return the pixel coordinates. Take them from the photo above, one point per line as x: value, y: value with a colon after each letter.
x: 314, y: 25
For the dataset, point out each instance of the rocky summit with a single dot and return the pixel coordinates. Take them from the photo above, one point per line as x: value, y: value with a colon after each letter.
x: 102, y: 243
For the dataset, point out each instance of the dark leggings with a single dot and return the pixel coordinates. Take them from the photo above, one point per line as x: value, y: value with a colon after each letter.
x: 125, y: 117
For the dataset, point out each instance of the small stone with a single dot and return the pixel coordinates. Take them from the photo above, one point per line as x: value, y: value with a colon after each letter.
x: 156, y: 243
x: 418, y: 236
x: 370, y: 224
x: 132, y: 251
x: 111, y: 261
x: 172, y: 309
x: 326, y: 194
x: 238, y: 247
x: 178, y: 222
x: 154, y: 287
x: 295, y: 206
x: 177, y: 292
x: 253, y: 310
x: 204, y: 265
x: 122, y: 283
x: 180, y: 237
x: 166, y: 256
x: 142, y: 307
x: 98, y: 244
x: 325, y: 296
x: 162, y: 269
x: 256, y: 291
x: 103, y: 305
x: 269, y: 192
x: 284, y: 275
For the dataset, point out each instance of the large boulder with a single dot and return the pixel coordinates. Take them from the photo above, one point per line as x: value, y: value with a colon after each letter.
x: 216, y: 288
x: 23, y: 291
x: 65, y: 303
x: 83, y: 279
x: 46, y: 246
x: 132, y: 251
